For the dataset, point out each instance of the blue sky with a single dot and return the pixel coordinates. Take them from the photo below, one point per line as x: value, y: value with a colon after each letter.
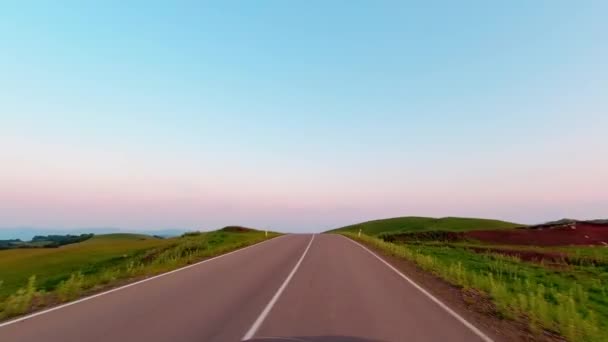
x: 301, y: 116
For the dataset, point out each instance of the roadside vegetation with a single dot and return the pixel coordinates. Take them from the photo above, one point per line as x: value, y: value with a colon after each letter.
x: 561, y: 290
x: 34, y: 278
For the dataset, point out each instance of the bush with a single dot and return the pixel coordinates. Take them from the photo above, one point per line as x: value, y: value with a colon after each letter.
x: 21, y: 301
x: 108, y: 276
x: 71, y: 288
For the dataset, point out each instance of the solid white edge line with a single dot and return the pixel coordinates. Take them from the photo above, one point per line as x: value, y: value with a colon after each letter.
x: 258, y: 322
x: 20, y: 319
x: 453, y: 313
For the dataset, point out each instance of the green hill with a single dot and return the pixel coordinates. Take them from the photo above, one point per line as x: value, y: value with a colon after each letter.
x: 52, y: 265
x: 416, y: 224
x: 106, y: 258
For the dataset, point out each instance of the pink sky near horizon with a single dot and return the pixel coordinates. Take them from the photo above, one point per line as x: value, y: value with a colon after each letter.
x: 64, y: 201
x: 63, y: 185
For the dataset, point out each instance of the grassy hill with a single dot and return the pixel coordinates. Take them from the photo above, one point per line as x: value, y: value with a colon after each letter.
x: 417, y: 224
x: 34, y: 277
x: 51, y: 265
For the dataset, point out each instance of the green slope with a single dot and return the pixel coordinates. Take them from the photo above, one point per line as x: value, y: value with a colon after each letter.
x: 70, y: 271
x: 52, y: 265
x: 114, y: 252
x: 416, y: 224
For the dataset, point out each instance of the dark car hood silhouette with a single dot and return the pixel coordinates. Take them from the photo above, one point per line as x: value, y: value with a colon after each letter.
x: 313, y: 339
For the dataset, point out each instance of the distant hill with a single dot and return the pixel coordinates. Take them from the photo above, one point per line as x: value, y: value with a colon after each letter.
x: 563, y: 221
x: 238, y: 229
x: 45, y: 241
x: 27, y: 233
x: 600, y: 221
x: 124, y: 237
x: 417, y: 224
x: 568, y: 222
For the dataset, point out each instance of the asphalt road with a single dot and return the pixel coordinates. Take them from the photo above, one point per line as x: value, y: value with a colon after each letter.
x: 289, y: 286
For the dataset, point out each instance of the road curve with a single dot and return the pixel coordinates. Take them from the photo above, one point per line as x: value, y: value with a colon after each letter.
x: 285, y: 287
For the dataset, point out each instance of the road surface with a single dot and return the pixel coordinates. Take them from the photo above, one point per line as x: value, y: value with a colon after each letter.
x: 294, y: 285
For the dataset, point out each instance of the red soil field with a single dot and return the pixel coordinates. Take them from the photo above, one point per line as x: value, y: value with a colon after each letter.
x: 579, y: 233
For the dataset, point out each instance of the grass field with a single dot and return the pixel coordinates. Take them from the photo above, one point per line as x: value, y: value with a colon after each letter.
x: 417, y: 224
x: 567, y: 296
x: 52, y: 265
x: 34, y: 278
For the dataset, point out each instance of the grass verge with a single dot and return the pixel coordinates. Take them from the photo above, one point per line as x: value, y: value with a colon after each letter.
x: 104, y: 262
x: 572, y: 303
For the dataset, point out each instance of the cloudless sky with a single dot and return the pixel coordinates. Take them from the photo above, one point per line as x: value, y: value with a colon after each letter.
x: 301, y: 116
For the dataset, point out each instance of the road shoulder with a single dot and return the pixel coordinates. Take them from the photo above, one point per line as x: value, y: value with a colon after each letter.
x: 471, y: 305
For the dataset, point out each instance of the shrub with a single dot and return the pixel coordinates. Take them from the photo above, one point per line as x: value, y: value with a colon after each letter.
x: 108, y: 276
x: 71, y: 288
x: 21, y: 301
